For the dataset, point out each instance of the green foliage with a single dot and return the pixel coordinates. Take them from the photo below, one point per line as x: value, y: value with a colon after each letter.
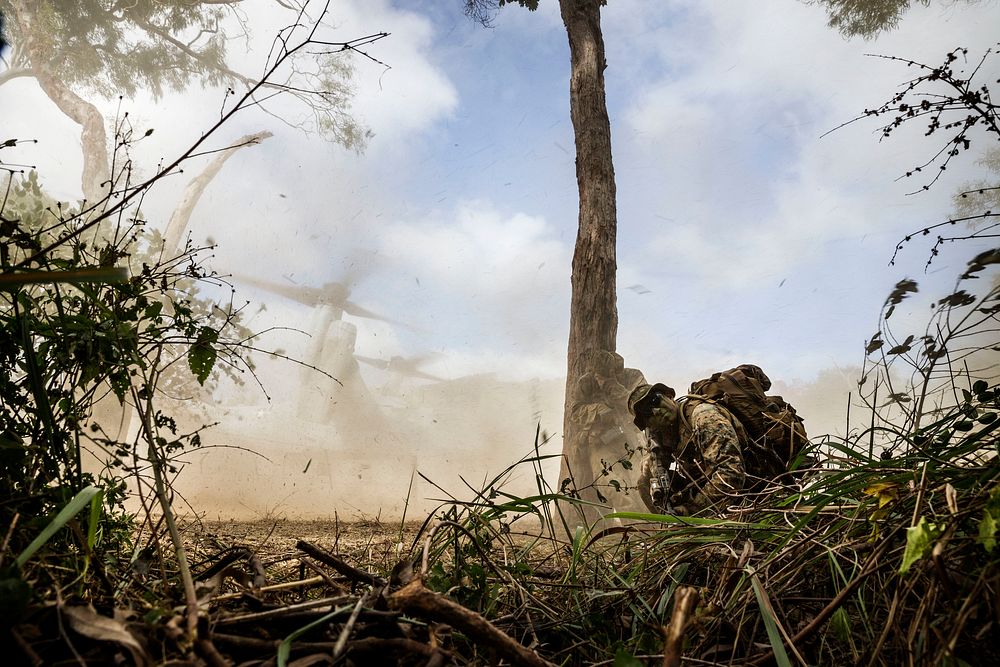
x: 625, y: 659
x: 883, y: 550
x: 531, y: 5
x: 285, y: 646
x: 919, y: 539
x: 866, y: 18
x: 202, y: 353
x: 789, y: 556
x: 102, y: 316
x: 990, y: 522
x: 118, y: 48
x: 88, y: 496
x: 770, y: 623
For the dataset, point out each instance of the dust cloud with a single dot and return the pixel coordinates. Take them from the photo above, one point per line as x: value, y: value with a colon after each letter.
x: 365, y: 450
x: 383, y: 443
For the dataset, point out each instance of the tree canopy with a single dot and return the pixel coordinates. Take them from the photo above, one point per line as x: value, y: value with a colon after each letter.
x: 866, y: 18
x: 112, y: 48
x: 118, y: 48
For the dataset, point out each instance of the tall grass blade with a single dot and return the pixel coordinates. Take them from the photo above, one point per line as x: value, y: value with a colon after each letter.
x: 72, y: 508
x: 285, y: 647
x: 770, y: 623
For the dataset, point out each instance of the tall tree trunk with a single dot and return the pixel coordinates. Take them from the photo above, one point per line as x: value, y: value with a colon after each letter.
x: 96, y: 174
x: 593, y: 323
x: 93, y: 137
x: 173, y: 235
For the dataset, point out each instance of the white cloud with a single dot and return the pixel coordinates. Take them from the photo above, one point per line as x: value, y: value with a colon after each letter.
x: 730, y: 132
x: 483, y: 279
x: 481, y: 251
x: 399, y: 102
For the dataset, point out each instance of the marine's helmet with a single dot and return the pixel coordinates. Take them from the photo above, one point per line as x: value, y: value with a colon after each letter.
x: 642, y: 396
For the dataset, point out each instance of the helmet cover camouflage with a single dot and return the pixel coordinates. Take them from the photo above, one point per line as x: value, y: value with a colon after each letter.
x: 643, y: 392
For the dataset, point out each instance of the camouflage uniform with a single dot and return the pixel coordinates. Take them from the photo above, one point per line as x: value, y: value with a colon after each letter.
x: 700, y: 460
x: 711, y: 460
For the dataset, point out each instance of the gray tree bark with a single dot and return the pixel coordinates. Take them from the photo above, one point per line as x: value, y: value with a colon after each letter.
x: 593, y: 310
x: 96, y: 174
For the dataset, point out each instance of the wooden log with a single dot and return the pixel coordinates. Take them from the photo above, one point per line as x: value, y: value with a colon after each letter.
x: 417, y: 600
x: 340, y: 566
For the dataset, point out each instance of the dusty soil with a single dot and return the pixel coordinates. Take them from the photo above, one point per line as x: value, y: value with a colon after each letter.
x: 369, y: 545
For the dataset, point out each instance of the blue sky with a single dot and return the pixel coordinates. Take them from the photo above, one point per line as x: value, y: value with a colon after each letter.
x: 755, y: 236
x: 745, y: 234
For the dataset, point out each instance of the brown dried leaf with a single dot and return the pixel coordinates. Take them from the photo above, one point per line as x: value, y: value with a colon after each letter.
x: 87, y: 622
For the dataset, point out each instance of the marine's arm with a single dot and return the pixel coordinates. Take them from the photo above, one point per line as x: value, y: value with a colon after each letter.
x: 721, y: 458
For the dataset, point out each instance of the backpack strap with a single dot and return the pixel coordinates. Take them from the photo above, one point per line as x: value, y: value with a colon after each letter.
x: 692, y: 400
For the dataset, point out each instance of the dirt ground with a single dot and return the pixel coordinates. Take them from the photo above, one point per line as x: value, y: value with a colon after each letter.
x: 369, y: 544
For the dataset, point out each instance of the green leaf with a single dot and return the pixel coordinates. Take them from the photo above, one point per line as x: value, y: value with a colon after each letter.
x: 625, y: 659
x: 988, y: 532
x: 153, y: 310
x: 689, y: 520
x: 202, y: 355
x: 95, y: 519
x: 991, y: 521
x: 840, y: 623
x: 73, y: 508
x: 918, y: 540
x: 285, y: 647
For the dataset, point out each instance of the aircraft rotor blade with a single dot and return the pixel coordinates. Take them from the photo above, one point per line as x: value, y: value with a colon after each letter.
x: 354, y: 309
x: 401, y: 366
x: 309, y: 296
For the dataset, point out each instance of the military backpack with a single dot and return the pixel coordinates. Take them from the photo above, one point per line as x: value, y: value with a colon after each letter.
x: 775, y: 434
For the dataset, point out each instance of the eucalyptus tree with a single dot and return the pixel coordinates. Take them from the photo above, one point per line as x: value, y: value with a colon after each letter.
x: 593, y: 326
x: 81, y: 52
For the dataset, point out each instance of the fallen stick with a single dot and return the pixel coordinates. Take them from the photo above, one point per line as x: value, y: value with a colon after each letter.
x: 685, y: 601
x: 371, y: 645
x: 322, y: 573
x: 340, y: 566
x: 345, y: 632
x: 254, y: 644
x: 325, y: 604
x: 415, y: 599
x: 210, y: 654
x: 274, y: 587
